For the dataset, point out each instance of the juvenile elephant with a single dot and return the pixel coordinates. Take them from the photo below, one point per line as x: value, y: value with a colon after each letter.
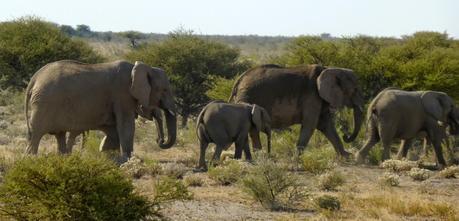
x: 302, y: 95
x: 223, y: 123
x: 395, y: 113
x: 69, y: 96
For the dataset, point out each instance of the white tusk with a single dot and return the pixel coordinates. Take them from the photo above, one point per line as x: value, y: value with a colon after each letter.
x: 441, y: 124
x: 171, y: 113
x: 253, y: 109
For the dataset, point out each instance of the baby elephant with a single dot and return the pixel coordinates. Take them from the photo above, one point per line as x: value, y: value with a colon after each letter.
x: 395, y: 113
x: 224, y: 123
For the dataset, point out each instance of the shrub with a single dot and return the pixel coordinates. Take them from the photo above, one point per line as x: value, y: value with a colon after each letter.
x: 318, y: 160
x: 76, y: 187
x: 419, y: 174
x: 398, y: 165
x: 174, y: 170
x: 331, y: 180
x: 328, y: 202
x: 270, y: 184
x: 389, y: 179
x: 449, y: 172
x: 194, y: 180
x: 167, y: 189
x: 228, y: 173
x: 375, y: 156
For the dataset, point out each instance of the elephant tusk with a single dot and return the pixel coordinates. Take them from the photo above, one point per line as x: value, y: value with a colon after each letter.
x: 171, y: 112
x: 441, y: 124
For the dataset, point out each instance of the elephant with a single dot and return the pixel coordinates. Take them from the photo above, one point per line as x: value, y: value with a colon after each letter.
x: 70, y: 96
x: 395, y: 113
x: 303, y: 95
x: 224, y: 123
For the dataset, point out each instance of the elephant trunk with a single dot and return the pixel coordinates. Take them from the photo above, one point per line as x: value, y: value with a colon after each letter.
x: 358, y: 120
x: 159, y: 128
x: 171, y: 122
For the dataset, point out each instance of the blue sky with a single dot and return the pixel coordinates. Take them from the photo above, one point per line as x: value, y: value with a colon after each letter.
x: 235, y: 17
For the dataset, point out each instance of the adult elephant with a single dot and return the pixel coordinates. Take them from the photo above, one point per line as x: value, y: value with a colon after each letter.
x: 396, y: 113
x: 302, y: 95
x: 69, y: 96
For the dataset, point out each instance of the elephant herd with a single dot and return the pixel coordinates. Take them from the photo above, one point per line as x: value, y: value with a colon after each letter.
x: 72, y: 97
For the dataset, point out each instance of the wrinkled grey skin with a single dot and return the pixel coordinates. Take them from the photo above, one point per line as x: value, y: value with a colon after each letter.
x: 223, y: 123
x: 302, y: 95
x: 395, y: 113
x: 69, y: 96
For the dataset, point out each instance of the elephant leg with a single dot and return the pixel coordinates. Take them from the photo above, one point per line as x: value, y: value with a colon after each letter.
x: 111, y: 141
x: 61, y: 145
x: 248, y: 155
x: 237, y: 151
x: 217, y: 154
x: 255, y: 137
x: 202, y: 156
x: 372, y: 139
x: 441, y: 163
x: 71, y: 140
x: 404, y: 147
x: 34, y: 142
x: 328, y: 129
x: 125, y: 127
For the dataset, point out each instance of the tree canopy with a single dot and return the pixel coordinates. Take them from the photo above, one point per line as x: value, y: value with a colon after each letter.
x: 190, y: 63
x: 28, y: 43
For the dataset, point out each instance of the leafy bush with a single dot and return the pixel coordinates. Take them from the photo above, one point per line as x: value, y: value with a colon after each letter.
x: 419, y: 174
x: 331, y: 180
x: 270, y: 184
x: 318, y: 160
x: 28, y: 43
x: 222, y: 88
x: 328, y: 202
x: 174, y: 170
x: 167, y: 189
x: 228, y: 173
x: 389, y: 179
x: 398, y: 165
x: 76, y: 187
x: 375, y: 156
x: 449, y: 172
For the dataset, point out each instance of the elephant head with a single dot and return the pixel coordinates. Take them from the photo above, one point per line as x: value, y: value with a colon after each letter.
x: 338, y: 87
x: 151, y: 88
x: 441, y: 107
x: 262, y: 122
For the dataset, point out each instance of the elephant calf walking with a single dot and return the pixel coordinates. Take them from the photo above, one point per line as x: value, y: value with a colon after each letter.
x: 223, y: 123
x: 402, y: 114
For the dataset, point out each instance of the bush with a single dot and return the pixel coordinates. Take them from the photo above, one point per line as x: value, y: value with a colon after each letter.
x: 194, y: 180
x: 389, y: 179
x: 28, y: 43
x: 167, y: 189
x: 398, y: 165
x: 318, y: 160
x: 419, y: 174
x: 449, y: 172
x: 331, y: 180
x: 375, y: 156
x: 75, y: 187
x: 328, y: 202
x: 174, y: 170
x: 228, y: 173
x: 136, y: 167
x: 270, y: 184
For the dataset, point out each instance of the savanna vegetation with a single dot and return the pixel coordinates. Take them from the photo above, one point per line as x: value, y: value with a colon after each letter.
x: 160, y: 184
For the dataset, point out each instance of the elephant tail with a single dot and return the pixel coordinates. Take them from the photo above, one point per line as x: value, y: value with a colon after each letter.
x: 28, y: 94
x: 200, y: 128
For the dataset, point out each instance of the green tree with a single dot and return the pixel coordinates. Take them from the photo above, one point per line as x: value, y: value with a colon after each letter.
x: 190, y: 62
x: 28, y: 43
x: 133, y: 36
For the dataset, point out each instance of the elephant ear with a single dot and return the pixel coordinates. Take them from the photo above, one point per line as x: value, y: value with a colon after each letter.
x: 257, y: 117
x: 140, y: 86
x: 436, y: 104
x: 329, y: 87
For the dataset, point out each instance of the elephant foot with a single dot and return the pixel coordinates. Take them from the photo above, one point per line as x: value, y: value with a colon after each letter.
x: 345, y: 154
x: 359, y: 159
x: 199, y: 170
